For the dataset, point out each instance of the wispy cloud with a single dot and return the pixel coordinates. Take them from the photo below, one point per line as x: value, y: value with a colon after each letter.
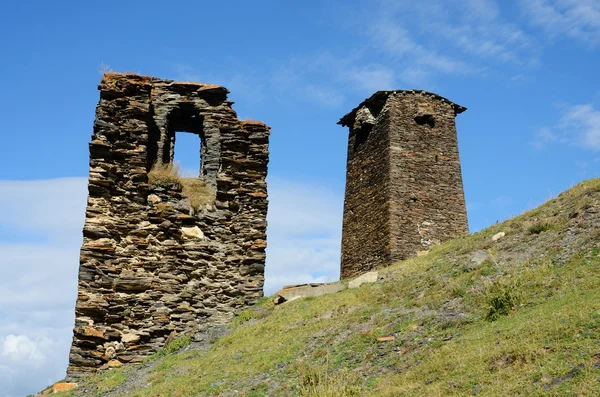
x: 392, y: 38
x: 321, y: 78
x: 578, y: 125
x: 447, y: 37
x: 396, y: 43
x: 576, y: 19
x: 328, y: 79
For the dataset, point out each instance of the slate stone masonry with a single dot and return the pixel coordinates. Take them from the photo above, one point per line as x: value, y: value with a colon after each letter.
x: 404, y: 190
x: 151, y: 266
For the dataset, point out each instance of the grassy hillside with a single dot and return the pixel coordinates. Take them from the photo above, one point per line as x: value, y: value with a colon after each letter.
x: 525, y: 321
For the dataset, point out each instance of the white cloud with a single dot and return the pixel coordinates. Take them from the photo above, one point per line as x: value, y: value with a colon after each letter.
x: 325, y: 96
x: 39, y: 265
x: 394, y: 43
x: 16, y: 348
x: 326, y: 79
x: 26, y: 364
x: 576, y: 19
x: 54, y: 208
x: 40, y: 236
x: 584, y: 122
x: 370, y: 78
x: 304, y: 235
x: 446, y: 37
x: 579, y: 125
x: 395, y: 40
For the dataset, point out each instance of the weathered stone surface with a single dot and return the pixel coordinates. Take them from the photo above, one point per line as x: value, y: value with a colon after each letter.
x: 498, y: 236
x: 404, y: 191
x: 369, y: 277
x: 480, y: 256
x: 154, y: 199
x: 477, y: 259
x: 58, y: 387
x: 150, y: 264
x: 293, y: 292
x: 130, y: 338
x: 192, y: 233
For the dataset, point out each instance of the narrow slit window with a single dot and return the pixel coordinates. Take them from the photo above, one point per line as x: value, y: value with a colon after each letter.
x: 187, y: 153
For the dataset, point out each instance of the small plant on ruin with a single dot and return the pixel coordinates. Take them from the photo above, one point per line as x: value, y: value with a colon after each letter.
x: 242, y: 317
x: 175, y: 345
x: 168, y: 176
x: 198, y: 192
x: 104, y: 69
x: 165, y: 175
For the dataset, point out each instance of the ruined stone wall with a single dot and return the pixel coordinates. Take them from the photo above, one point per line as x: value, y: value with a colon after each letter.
x: 150, y: 263
x: 410, y: 183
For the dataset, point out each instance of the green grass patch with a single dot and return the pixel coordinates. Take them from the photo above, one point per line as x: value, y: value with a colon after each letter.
x: 500, y: 305
x: 175, y: 345
x: 527, y: 324
x: 539, y: 227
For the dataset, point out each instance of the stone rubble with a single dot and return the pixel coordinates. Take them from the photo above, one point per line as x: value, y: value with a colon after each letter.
x: 293, y: 292
x: 369, y: 277
x: 498, y: 236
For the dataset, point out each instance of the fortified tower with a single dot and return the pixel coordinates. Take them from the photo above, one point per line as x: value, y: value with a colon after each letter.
x: 404, y: 190
x: 163, y: 254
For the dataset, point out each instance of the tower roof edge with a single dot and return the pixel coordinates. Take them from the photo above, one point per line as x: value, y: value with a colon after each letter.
x: 382, y: 96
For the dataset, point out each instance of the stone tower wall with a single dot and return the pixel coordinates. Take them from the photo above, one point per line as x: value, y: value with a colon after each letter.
x: 404, y: 189
x: 366, y: 226
x: 151, y: 265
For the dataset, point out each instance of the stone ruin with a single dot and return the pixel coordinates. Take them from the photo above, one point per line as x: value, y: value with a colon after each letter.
x: 154, y: 262
x: 404, y: 190
x: 164, y: 254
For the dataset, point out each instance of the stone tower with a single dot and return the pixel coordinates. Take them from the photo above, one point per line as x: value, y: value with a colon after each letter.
x: 404, y: 190
x: 163, y: 255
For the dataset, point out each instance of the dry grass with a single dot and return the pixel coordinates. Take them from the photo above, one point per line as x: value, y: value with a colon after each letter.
x: 198, y: 192
x: 112, y: 80
x: 165, y: 176
x: 322, y: 381
x: 252, y: 121
x: 168, y: 176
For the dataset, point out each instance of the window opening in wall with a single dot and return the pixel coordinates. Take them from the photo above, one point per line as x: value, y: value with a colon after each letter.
x: 426, y: 119
x: 361, y: 135
x: 187, y: 153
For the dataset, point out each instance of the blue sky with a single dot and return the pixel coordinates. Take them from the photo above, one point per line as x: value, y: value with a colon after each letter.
x: 527, y: 70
